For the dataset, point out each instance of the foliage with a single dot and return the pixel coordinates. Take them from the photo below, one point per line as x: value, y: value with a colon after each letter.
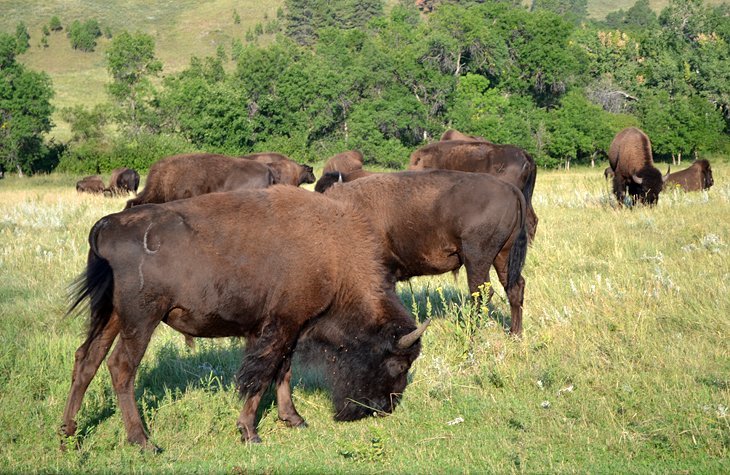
x: 25, y: 111
x: 22, y: 38
x: 55, y: 24
x: 131, y: 63
x: 83, y: 35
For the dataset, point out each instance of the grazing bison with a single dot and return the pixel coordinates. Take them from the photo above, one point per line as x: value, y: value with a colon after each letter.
x: 507, y: 162
x: 246, y: 264
x: 344, y: 162
x: 91, y: 184
x: 453, y: 134
x: 329, y: 179
x: 695, y: 178
x: 184, y: 176
x: 123, y: 180
x: 631, y: 160
x: 435, y: 221
x: 286, y: 170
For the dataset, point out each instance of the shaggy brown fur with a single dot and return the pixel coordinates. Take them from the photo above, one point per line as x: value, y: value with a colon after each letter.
x: 246, y: 264
x: 695, y: 178
x: 91, y: 184
x: 345, y: 162
x: 632, y: 162
x: 184, y: 176
x: 507, y: 162
x: 286, y: 170
x: 453, y: 134
x: 435, y: 221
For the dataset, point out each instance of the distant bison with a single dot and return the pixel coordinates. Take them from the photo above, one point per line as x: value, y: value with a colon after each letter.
x: 185, y: 176
x: 632, y: 162
x: 453, y: 134
x: 246, y: 264
x: 507, y: 162
x: 91, y: 184
x: 286, y: 170
x: 123, y: 181
x: 329, y: 179
x: 345, y: 162
x: 435, y: 221
x: 695, y: 178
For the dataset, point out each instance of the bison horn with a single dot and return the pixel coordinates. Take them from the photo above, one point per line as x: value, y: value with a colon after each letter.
x: 637, y: 180
x: 669, y: 168
x: 406, y: 341
x: 339, y: 179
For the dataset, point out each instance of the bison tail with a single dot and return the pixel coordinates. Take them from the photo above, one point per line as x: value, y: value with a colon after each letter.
x: 530, y: 183
x: 517, y: 255
x: 96, y: 284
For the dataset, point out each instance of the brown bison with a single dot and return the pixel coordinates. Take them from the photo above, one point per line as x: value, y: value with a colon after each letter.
x: 344, y: 162
x: 197, y: 264
x: 123, y: 181
x: 91, y: 184
x: 286, y: 170
x: 184, y: 176
x: 632, y: 163
x: 435, y: 221
x: 329, y: 179
x: 507, y: 162
x: 695, y: 178
x: 453, y: 134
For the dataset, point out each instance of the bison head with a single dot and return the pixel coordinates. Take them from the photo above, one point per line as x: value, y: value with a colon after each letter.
x: 327, y: 180
x: 707, y: 180
x: 651, y: 182
x: 369, y: 378
x: 307, y: 175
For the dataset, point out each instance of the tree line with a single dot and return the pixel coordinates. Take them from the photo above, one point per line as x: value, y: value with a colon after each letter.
x: 346, y: 75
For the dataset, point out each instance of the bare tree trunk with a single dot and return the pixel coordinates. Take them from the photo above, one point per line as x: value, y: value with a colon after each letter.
x: 20, y: 171
x: 679, y: 158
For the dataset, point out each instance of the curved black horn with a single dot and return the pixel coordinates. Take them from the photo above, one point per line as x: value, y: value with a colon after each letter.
x: 406, y: 341
x: 669, y: 169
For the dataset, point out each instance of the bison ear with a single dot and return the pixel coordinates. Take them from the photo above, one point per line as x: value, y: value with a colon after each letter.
x: 638, y: 180
x: 406, y: 341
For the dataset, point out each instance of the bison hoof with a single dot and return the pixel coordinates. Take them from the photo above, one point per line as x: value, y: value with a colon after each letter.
x: 254, y: 439
x: 300, y: 424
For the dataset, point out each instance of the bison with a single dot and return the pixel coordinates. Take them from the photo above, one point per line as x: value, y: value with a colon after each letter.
x: 453, y: 134
x: 507, y: 162
x: 695, y: 178
x: 286, y: 170
x: 91, y: 184
x: 123, y: 180
x: 248, y: 264
x: 184, y: 176
x: 608, y: 173
x: 329, y: 179
x: 435, y: 221
x: 345, y: 162
x: 631, y: 160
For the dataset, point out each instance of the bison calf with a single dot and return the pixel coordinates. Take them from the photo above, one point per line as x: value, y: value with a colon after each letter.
x: 344, y: 162
x: 246, y: 264
x: 286, y: 170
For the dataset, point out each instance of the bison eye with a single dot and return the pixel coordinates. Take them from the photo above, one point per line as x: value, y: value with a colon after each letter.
x: 395, y: 367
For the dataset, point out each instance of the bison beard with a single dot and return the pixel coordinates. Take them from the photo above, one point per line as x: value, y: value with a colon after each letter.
x: 135, y: 279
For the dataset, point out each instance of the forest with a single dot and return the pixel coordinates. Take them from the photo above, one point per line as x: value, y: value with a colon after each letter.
x: 343, y: 75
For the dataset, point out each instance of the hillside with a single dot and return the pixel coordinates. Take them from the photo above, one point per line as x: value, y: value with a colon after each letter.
x: 181, y: 29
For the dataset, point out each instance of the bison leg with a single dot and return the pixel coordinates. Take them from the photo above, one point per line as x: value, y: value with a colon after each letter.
x: 287, y: 412
x: 87, y: 360
x: 123, y: 364
x: 515, y: 294
x: 619, y: 189
x: 265, y: 357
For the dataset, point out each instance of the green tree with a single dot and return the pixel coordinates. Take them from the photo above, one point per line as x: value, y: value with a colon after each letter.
x: 574, y: 10
x: 86, y: 124
x: 83, y: 35
x: 25, y: 111
x: 131, y: 62
x: 22, y: 38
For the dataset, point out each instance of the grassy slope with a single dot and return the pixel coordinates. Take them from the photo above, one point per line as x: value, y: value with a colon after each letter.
x: 626, y: 324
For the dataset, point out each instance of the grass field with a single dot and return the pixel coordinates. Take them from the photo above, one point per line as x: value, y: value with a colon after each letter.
x: 624, y: 366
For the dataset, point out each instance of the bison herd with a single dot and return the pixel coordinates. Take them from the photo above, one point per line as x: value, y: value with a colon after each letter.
x: 219, y: 246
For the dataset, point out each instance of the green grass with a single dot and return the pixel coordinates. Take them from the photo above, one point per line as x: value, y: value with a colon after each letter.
x: 624, y: 365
